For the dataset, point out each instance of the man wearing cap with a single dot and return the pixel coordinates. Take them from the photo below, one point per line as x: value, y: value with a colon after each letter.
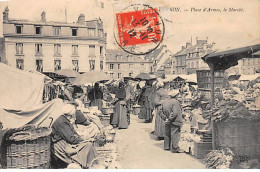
x: 172, y: 114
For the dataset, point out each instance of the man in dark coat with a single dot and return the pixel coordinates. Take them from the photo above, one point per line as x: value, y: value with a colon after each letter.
x: 172, y: 113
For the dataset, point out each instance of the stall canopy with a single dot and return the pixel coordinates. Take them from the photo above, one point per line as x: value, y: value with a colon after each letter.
x: 249, y: 77
x: 223, y: 60
x: 188, y: 78
x: 20, y: 89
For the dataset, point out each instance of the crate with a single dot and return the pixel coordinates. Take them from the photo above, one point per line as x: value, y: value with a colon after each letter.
x: 201, y: 149
x: 242, y: 136
x: 32, y: 152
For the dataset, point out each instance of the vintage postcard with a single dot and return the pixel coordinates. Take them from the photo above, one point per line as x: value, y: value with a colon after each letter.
x: 129, y: 84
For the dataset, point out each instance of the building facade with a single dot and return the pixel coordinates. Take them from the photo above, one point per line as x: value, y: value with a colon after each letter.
x: 50, y: 46
x: 249, y: 66
x: 188, y: 60
x: 121, y: 64
x: 163, y: 60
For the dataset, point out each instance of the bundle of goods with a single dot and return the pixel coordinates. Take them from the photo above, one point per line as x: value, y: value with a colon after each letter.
x: 107, y: 157
x: 28, y: 147
x: 219, y: 159
x: 100, y: 140
x: 233, y: 109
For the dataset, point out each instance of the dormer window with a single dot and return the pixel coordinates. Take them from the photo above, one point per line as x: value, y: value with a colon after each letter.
x: 38, y: 30
x: 18, y: 29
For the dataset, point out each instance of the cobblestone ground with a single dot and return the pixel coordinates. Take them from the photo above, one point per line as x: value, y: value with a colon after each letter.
x: 138, y: 149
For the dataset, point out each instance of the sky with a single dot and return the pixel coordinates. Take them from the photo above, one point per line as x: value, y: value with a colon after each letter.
x: 226, y: 29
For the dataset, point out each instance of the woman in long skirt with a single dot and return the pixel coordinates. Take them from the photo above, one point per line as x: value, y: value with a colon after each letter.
x: 119, y: 118
x: 161, y: 94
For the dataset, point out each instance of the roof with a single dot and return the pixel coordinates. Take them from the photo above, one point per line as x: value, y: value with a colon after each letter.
x: 191, y: 49
x: 88, y: 24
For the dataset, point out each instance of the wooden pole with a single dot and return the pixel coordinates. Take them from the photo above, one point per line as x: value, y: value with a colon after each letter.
x: 212, y: 80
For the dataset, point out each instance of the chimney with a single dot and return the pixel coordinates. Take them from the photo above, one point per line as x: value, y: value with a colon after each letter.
x: 182, y: 47
x: 5, y: 14
x: 81, y: 19
x: 188, y: 44
x: 43, y: 19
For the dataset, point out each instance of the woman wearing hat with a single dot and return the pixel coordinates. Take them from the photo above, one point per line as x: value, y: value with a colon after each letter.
x: 67, y: 146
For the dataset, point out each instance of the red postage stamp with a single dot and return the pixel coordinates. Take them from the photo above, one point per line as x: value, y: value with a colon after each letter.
x: 138, y: 27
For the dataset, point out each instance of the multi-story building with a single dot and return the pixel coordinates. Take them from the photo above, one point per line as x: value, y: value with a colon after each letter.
x: 189, y: 58
x: 48, y: 46
x: 249, y: 66
x: 121, y: 64
x: 163, y: 60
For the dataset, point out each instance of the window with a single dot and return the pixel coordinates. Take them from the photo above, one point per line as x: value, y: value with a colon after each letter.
x: 19, y: 64
x: 192, y: 65
x: 74, y: 31
x: 119, y: 75
x: 57, y: 49
x: 74, y: 49
x: 92, y: 50
x: 130, y: 74
x: 101, y: 51
x: 75, y: 65
x: 38, y: 30
x: 111, y: 74
x: 118, y: 66
x: 18, y: 29
x: 19, y: 48
x: 100, y: 32
x: 91, y: 32
x: 38, y: 49
x: 130, y: 66
x: 197, y: 54
x: 101, y: 65
x: 188, y: 65
x: 39, y: 66
x: 57, y: 65
x: 197, y: 64
x: 56, y: 30
x: 111, y: 66
x: 92, y: 64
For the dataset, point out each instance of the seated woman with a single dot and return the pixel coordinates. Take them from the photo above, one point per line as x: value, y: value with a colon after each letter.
x: 91, y: 116
x: 67, y: 146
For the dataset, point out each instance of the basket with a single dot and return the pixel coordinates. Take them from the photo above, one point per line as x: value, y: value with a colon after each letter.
x: 29, y: 149
x: 108, y: 110
x: 105, y: 120
x: 242, y: 136
x: 136, y: 109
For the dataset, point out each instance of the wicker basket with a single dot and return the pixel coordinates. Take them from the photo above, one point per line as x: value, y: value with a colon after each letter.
x: 29, y: 151
x: 108, y: 110
x: 105, y: 120
x: 241, y: 135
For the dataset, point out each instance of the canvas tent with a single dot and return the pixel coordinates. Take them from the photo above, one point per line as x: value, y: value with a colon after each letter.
x: 21, y: 99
